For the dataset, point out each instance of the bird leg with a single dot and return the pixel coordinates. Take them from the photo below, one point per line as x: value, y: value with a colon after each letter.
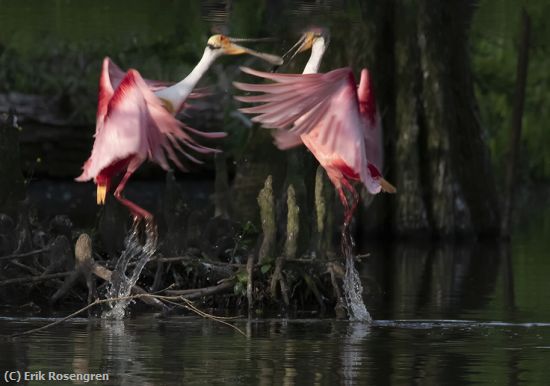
x: 349, y: 209
x: 150, y: 229
x: 343, y: 199
x: 138, y: 212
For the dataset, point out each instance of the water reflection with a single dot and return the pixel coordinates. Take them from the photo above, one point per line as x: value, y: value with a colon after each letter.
x: 189, y: 351
x: 352, y: 353
x: 441, y: 281
x: 120, y: 353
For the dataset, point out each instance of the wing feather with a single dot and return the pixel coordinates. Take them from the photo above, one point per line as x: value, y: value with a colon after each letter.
x: 372, y: 122
x: 105, y: 94
x: 133, y: 122
x: 321, y: 109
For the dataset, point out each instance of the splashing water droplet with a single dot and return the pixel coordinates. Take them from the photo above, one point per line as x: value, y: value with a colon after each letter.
x: 353, y: 290
x: 123, y: 279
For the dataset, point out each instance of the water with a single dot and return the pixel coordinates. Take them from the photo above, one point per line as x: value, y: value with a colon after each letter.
x: 129, y: 266
x: 443, y: 314
x: 188, y: 351
x: 351, y: 285
x: 353, y: 292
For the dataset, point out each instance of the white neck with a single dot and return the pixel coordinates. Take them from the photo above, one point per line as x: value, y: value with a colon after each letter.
x: 317, y: 52
x: 178, y: 93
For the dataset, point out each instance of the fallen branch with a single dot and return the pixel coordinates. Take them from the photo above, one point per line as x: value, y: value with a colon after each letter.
x: 205, y: 291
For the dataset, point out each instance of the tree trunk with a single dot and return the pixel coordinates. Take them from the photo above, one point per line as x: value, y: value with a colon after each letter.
x: 411, y: 213
x: 474, y: 199
x: 443, y: 173
x: 11, y: 177
x: 515, y: 129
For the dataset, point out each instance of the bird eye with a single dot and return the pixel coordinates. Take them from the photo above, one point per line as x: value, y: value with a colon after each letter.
x: 211, y: 46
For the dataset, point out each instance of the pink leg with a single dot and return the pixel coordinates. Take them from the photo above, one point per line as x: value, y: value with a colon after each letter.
x: 137, y: 211
x: 347, y: 240
x: 349, y: 210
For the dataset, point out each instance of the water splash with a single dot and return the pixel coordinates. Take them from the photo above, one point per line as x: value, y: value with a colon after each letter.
x: 129, y: 267
x: 353, y: 290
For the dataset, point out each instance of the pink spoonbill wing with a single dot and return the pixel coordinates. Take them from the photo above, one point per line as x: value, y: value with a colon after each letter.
x: 131, y: 121
x: 115, y: 76
x: 323, y: 111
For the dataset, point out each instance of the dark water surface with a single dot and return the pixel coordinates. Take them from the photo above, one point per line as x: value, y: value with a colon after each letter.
x: 444, y: 315
x: 185, y: 351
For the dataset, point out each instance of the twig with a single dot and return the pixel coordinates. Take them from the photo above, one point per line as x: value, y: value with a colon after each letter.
x: 35, y: 279
x: 31, y: 270
x: 32, y: 331
x: 26, y: 254
x: 205, y: 291
x: 313, y: 287
x: 174, y: 259
x: 168, y: 299
x: 250, y: 282
x: 187, y: 301
x: 189, y: 306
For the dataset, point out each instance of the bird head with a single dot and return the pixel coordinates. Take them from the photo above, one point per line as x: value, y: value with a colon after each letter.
x: 312, y: 37
x: 225, y: 45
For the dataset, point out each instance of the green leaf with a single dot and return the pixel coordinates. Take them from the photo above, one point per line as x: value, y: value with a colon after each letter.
x: 238, y: 289
x: 242, y: 276
x: 265, y: 268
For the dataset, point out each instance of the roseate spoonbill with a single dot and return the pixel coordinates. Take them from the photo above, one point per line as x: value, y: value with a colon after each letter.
x: 336, y: 119
x: 135, y: 121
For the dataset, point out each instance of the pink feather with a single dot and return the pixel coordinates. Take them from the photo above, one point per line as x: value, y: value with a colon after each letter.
x: 324, y: 112
x: 132, y: 122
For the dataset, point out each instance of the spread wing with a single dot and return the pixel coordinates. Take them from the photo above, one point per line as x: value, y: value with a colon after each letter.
x: 106, y: 91
x: 371, y: 118
x: 134, y: 122
x: 322, y: 106
x: 115, y: 75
